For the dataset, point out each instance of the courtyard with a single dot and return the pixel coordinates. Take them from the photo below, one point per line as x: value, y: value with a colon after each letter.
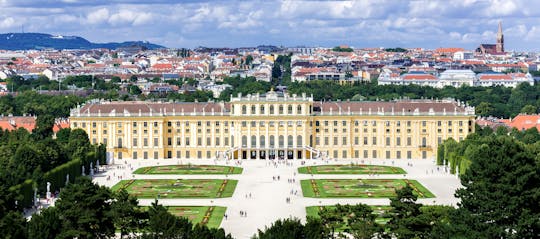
x: 262, y: 195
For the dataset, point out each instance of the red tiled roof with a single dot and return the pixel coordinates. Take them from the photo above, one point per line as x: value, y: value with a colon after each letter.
x: 419, y: 77
x: 523, y: 122
x: 14, y: 122
x: 495, y: 77
x: 60, y: 125
x: 448, y: 49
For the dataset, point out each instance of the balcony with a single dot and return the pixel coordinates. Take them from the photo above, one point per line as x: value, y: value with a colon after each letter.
x: 424, y: 148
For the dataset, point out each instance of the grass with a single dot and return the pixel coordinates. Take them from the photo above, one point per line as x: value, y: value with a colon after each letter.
x: 381, y: 212
x: 351, y: 169
x: 196, y: 214
x: 189, y: 169
x: 178, y: 188
x: 359, y: 188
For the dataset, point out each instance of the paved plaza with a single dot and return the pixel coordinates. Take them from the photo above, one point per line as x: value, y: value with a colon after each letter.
x: 262, y: 196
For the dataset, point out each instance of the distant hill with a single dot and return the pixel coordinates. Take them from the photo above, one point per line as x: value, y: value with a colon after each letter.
x: 27, y: 41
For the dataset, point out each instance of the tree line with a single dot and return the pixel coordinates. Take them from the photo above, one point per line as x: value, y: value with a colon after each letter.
x: 498, y: 101
x: 87, y: 210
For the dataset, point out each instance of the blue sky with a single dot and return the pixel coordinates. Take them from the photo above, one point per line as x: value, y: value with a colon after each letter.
x: 364, y: 23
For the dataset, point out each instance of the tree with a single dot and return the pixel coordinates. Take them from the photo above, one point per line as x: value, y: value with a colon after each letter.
x: 484, y: 109
x: 116, y: 79
x: 46, y: 225
x: 500, y: 193
x: 331, y: 220
x: 162, y: 224
x: 314, y: 228
x: 44, y: 126
x: 282, y: 229
x: 249, y: 60
x: 407, y: 220
x: 85, y: 210
x: 133, y: 78
x: 125, y: 213
x: 529, y: 109
x: 361, y: 222
x: 13, y: 225
x: 134, y: 90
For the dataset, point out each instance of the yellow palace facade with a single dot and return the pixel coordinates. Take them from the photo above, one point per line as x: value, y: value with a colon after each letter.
x: 274, y: 126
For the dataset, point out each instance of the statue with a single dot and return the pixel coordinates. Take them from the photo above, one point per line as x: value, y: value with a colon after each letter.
x: 36, y: 199
x: 67, y: 179
x: 82, y: 170
x: 91, y: 169
x: 48, y: 190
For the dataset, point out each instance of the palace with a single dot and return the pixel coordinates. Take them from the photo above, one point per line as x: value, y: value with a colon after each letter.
x: 272, y: 126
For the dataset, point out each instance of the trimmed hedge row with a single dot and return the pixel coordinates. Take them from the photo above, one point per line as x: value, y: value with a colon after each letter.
x: 58, y: 176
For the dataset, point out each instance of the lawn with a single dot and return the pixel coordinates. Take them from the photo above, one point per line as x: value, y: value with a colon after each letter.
x: 359, y: 188
x: 351, y: 169
x: 189, y: 169
x: 380, y: 211
x: 178, y: 188
x: 208, y: 215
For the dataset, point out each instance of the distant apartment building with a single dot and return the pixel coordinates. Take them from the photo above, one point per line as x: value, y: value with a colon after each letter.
x: 455, y: 78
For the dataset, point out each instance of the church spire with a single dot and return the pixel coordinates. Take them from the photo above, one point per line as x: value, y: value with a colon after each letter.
x: 500, y: 39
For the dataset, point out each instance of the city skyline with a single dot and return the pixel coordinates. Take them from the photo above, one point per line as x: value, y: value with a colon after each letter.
x: 423, y: 24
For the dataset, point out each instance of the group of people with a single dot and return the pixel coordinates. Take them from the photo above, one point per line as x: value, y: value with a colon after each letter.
x: 243, y: 213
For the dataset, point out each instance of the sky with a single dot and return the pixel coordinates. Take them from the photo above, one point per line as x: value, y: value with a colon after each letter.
x: 364, y: 23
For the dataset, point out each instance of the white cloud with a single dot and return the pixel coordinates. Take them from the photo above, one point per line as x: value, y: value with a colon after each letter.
x: 7, y: 22
x: 501, y: 8
x: 98, y: 16
x: 130, y: 17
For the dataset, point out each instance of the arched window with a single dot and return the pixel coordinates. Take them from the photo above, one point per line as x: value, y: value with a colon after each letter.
x: 253, y: 141
x: 299, y: 141
x: 271, y: 109
x: 280, y: 109
x: 299, y: 109
x: 244, y: 110
x: 262, y: 142
x: 424, y: 142
x: 272, y: 141
x: 119, y: 142
x: 244, y: 141
x: 290, y: 142
x: 281, y: 141
x: 289, y: 109
x: 261, y: 109
x: 253, y: 110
